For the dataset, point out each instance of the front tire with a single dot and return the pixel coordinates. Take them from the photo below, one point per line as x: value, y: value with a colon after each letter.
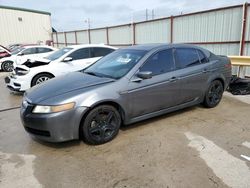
x: 7, y: 66
x: 101, y: 125
x: 40, y: 78
x: 214, y: 94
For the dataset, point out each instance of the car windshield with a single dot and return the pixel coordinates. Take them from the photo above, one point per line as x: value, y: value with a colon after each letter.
x: 16, y: 51
x: 59, y: 53
x: 116, y: 64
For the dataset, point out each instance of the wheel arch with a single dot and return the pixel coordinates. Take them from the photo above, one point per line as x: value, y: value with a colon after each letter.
x: 39, y: 74
x: 107, y: 102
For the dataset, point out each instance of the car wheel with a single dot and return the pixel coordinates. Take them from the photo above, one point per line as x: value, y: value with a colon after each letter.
x: 213, y: 94
x: 40, y: 78
x: 101, y: 125
x: 7, y: 66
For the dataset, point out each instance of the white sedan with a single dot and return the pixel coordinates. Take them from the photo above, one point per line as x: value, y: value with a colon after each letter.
x: 20, y: 55
x: 68, y: 59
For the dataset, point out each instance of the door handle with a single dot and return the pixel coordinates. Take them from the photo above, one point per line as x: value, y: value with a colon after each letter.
x: 173, y: 79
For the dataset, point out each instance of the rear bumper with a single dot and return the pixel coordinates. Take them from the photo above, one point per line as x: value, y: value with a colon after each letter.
x: 53, y: 127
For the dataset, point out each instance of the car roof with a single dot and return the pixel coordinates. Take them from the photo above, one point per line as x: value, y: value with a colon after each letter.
x: 149, y: 47
x: 37, y: 46
x: 90, y: 45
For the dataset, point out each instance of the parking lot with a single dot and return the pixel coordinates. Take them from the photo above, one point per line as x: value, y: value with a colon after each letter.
x: 195, y: 147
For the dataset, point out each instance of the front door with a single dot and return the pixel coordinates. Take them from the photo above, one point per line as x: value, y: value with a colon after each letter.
x: 156, y: 93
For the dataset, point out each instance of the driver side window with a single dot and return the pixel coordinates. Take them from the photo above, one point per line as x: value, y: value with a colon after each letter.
x: 159, y: 63
x: 80, y: 54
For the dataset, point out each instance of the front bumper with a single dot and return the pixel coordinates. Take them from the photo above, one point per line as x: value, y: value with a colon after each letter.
x: 53, y: 127
x: 17, y: 83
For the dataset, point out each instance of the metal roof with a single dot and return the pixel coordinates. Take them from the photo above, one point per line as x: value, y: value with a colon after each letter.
x: 24, y: 9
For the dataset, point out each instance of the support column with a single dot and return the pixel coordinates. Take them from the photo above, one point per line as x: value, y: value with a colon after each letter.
x: 76, y: 38
x: 65, y: 38
x: 242, y: 69
x: 171, y: 28
x: 107, y: 35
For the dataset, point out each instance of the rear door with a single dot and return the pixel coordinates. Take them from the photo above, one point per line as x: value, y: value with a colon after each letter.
x: 159, y: 92
x: 99, y: 52
x: 81, y: 59
x: 28, y: 53
x: 194, y: 73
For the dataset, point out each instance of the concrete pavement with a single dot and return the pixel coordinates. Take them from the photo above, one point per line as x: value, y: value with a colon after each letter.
x: 195, y: 147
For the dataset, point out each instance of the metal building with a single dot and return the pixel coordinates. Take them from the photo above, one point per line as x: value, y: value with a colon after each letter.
x: 19, y: 25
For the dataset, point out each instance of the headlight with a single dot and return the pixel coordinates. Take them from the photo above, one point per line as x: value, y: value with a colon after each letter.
x: 53, y: 109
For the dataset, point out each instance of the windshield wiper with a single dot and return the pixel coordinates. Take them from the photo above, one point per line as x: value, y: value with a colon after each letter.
x: 93, y: 74
x: 99, y: 74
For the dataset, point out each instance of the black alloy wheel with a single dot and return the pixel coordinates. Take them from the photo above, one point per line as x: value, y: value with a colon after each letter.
x: 214, y: 94
x: 101, y: 125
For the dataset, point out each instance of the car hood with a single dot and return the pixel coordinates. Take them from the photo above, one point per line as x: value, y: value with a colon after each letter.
x: 63, y: 84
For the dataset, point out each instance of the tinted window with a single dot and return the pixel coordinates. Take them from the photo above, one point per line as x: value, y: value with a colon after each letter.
x: 29, y: 51
x: 186, y: 57
x: 80, y: 54
x: 160, y: 62
x: 203, y: 58
x: 43, y: 50
x: 99, y: 52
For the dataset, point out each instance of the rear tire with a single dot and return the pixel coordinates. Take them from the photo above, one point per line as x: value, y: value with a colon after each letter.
x: 214, y: 94
x: 101, y: 125
x: 40, y: 78
x: 7, y: 66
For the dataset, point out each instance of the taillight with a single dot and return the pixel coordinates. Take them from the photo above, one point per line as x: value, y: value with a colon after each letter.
x: 228, y: 65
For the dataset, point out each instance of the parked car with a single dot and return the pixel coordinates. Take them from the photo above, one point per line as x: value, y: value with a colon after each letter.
x: 65, y: 60
x: 21, y: 54
x: 4, y: 52
x: 126, y: 86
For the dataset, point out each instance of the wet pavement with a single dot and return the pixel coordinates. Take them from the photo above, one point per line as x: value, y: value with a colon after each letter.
x: 195, y: 147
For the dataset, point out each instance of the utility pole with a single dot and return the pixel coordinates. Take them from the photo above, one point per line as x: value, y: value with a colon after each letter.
x: 153, y: 14
x: 88, y: 22
x: 146, y: 14
x: 89, y: 37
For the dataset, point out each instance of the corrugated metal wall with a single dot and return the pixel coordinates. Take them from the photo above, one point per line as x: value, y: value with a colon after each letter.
x: 153, y: 32
x: 82, y: 37
x: 121, y: 35
x: 217, y: 26
x: 98, y: 36
x: 31, y: 28
x: 218, y: 30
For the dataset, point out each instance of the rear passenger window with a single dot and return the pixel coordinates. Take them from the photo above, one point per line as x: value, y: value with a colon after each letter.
x: 186, y: 57
x: 99, y: 52
x: 80, y: 54
x: 160, y: 62
x: 202, y: 57
x: 44, y: 50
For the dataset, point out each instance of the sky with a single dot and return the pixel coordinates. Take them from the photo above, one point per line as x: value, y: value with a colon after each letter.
x: 73, y: 15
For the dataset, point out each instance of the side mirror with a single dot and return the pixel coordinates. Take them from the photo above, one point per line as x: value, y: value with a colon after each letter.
x: 67, y: 59
x: 20, y: 54
x: 144, y: 75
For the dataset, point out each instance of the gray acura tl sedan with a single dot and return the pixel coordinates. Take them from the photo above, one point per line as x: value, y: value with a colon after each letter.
x: 126, y: 86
